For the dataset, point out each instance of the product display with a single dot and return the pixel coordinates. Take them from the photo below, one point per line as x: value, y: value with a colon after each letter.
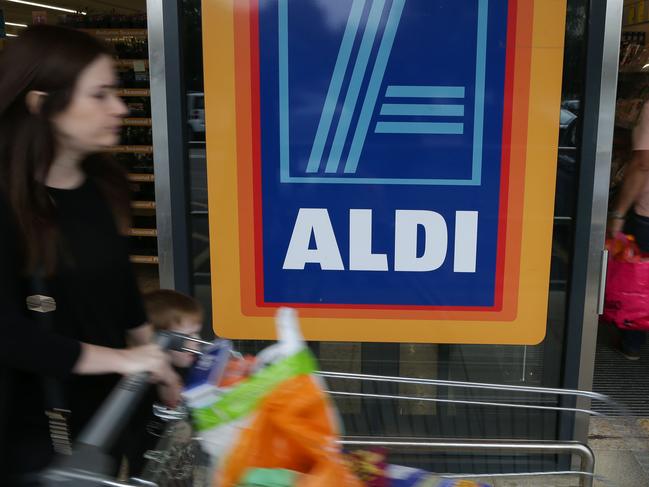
x: 104, y: 21
x: 135, y: 163
x: 128, y: 36
x: 134, y: 135
x: 138, y: 106
x: 633, y: 37
x: 133, y: 79
x: 132, y: 48
x: 633, y: 58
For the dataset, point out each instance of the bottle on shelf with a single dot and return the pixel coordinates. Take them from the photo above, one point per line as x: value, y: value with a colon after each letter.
x: 136, y: 163
x: 136, y: 135
x: 129, y: 78
x: 132, y: 48
x: 104, y: 21
x: 139, y: 106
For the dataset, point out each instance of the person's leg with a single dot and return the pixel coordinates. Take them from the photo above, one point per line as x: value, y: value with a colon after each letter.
x: 631, y: 342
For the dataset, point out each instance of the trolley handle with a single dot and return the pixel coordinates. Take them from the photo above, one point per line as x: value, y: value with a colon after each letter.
x: 118, y: 407
x: 89, y: 461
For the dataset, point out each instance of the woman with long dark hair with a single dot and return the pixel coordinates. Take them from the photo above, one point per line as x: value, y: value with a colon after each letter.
x: 64, y: 212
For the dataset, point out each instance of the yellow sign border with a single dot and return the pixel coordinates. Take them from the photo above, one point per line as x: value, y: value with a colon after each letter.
x: 529, y: 324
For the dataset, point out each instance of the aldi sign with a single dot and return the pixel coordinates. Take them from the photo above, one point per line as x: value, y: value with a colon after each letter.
x: 376, y: 165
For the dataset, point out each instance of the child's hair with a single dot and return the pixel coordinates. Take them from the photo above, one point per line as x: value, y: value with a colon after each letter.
x: 166, y: 308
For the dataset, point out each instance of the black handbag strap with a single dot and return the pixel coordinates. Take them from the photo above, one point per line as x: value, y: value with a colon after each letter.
x: 42, y: 306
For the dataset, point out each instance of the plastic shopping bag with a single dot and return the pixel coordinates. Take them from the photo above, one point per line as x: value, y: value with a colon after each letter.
x: 626, y: 302
x: 277, y: 418
x: 292, y: 430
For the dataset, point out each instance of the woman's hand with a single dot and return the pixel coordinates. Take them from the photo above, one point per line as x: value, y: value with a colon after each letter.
x: 169, y: 390
x: 151, y: 358
x: 614, y: 225
x: 145, y: 358
x: 103, y: 360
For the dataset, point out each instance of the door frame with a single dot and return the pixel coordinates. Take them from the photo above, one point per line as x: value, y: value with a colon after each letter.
x: 588, y: 274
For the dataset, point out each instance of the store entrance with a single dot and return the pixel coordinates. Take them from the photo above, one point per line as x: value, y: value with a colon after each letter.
x: 541, y: 365
x: 623, y: 350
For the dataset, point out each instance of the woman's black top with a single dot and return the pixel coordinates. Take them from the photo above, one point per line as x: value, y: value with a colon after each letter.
x: 97, y: 302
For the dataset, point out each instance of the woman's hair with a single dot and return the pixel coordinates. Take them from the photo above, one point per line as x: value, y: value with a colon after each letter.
x: 48, y: 59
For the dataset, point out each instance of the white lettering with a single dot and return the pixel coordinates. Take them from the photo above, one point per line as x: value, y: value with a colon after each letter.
x: 405, y: 241
x: 466, y: 241
x: 407, y: 224
x: 326, y: 253
x: 361, y: 257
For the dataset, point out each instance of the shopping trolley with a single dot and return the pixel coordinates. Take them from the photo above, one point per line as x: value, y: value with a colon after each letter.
x: 178, y: 459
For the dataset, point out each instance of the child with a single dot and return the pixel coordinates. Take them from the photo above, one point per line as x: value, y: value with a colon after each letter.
x: 166, y: 310
x: 169, y: 310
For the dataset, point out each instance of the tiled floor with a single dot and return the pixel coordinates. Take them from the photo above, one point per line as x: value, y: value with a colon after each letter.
x: 624, y: 381
x: 621, y: 445
x: 621, y: 449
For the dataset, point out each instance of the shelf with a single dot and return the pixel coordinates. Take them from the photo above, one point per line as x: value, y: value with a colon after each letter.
x: 141, y: 177
x: 130, y: 63
x: 143, y: 232
x: 131, y: 149
x: 134, y: 92
x: 143, y: 205
x: 137, y: 122
x: 144, y: 259
x: 114, y: 33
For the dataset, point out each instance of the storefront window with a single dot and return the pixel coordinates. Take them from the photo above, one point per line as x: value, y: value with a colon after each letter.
x: 538, y: 365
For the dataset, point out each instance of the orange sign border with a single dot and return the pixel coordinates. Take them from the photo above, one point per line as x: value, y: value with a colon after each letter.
x: 536, y: 83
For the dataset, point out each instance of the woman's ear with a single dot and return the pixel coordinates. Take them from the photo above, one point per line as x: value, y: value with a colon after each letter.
x: 34, y: 101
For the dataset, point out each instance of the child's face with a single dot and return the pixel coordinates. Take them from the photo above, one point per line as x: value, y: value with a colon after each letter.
x: 191, y: 326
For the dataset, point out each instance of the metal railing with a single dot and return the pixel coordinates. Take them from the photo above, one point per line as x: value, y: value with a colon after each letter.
x: 156, y: 474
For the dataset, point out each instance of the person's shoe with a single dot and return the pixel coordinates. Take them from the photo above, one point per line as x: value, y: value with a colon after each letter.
x: 629, y: 354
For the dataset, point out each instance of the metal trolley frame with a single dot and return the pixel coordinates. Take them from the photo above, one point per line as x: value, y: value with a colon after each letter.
x: 178, y: 459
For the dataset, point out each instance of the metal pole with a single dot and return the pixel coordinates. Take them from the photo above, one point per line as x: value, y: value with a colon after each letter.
x: 588, y: 465
x: 169, y: 125
x: 604, y: 27
x: 476, y: 385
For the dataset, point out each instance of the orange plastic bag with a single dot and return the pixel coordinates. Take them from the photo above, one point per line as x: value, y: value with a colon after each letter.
x: 293, y: 429
x: 623, y: 248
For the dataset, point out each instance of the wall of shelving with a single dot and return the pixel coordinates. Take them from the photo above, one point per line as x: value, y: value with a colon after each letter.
x: 124, y: 28
x: 128, y: 37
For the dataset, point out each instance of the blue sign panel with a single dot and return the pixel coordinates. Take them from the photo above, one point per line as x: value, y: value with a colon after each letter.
x: 381, y: 151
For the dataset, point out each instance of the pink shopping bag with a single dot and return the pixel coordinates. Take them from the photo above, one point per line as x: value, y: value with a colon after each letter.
x: 626, y: 303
